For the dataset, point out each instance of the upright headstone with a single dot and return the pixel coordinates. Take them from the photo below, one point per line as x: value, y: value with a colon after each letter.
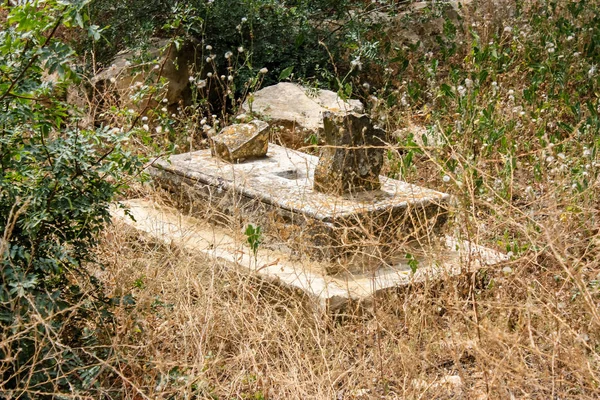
x: 352, y: 156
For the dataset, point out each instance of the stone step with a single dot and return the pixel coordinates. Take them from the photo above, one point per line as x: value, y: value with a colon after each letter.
x: 333, y: 293
x: 276, y: 192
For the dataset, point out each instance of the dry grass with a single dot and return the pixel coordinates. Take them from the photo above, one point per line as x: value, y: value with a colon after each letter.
x: 199, y: 330
x: 527, y: 329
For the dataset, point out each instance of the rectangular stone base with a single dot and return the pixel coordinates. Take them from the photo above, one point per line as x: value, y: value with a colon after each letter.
x: 218, y: 245
x: 276, y: 192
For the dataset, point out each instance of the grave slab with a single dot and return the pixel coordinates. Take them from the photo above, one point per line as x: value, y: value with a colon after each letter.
x: 276, y: 192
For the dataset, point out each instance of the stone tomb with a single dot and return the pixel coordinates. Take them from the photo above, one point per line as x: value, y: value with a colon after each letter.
x: 356, y: 231
x: 220, y: 247
x: 354, y: 236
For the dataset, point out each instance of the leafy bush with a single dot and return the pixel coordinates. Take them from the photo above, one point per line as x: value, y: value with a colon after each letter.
x: 276, y: 35
x: 509, y: 108
x: 56, y: 185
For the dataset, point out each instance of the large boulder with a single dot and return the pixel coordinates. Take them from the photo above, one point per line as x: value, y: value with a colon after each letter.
x: 295, y: 114
x: 125, y: 77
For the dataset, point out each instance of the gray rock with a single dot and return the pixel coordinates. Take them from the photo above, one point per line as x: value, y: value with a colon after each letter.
x: 241, y: 141
x: 290, y: 106
x: 124, y: 77
x: 352, y: 157
x: 416, y: 24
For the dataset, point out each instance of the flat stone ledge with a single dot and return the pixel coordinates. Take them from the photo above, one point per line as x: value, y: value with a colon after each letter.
x: 331, y: 293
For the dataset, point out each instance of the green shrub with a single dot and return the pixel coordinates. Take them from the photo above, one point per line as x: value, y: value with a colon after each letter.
x: 305, y: 35
x: 56, y: 185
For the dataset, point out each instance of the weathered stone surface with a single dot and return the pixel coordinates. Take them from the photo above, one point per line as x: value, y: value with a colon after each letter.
x: 288, y: 106
x: 220, y: 246
x: 124, y: 77
x: 276, y: 193
x: 352, y: 158
x: 241, y: 141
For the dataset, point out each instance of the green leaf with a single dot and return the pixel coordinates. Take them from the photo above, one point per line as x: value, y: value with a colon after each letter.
x: 413, y: 263
x: 94, y: 32
x: 286, y: 73
x: 79, y: 20
x: 348, y: 89
x: 446, y: 90
x: 254, y: 237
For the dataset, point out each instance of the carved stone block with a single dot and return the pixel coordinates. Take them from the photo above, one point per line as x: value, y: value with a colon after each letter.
x: 241, y: 141
x: 352, y: 157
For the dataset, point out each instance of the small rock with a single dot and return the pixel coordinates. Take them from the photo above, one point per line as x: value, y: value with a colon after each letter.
x: 507, y: 270
x: 241, y: 141
x: 452, y: 380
